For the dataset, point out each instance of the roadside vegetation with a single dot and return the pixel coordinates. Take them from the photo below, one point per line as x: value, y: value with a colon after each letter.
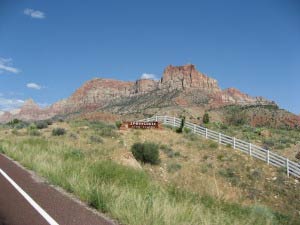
x: 154, y: 176
x: 283, y: 141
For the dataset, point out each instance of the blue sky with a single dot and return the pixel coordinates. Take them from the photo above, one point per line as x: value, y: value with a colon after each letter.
x: 50, y: 48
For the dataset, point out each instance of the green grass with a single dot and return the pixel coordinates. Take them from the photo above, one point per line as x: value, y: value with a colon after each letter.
x: 124, y: 193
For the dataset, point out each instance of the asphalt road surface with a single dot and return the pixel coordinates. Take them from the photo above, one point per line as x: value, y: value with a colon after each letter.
x: 15, y: 209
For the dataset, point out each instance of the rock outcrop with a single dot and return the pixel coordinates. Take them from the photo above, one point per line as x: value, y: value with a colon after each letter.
x: 186, y: 77
x: 182, y: 86
x: 234, y: 96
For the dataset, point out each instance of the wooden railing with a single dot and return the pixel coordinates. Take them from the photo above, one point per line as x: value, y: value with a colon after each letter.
x: 271, y: 158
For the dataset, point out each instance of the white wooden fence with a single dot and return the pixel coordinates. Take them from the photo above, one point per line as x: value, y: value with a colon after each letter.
x: 292, y: 168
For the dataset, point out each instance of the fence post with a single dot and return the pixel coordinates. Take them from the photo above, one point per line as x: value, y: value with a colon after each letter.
x: 250, y: 149
x: 233, y: 142
x: 165, y: 119
x: 268, y: 157
x: 156, y: 118
x: 174, y: 122
x: 194, y: 128
x: 206, y: 136
x: 287, y: 167
x: 220, y: 138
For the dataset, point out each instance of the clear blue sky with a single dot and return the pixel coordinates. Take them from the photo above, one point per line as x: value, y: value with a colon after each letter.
x: 50, y: 48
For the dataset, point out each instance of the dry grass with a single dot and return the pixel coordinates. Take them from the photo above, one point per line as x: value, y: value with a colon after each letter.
x: 199, y: 188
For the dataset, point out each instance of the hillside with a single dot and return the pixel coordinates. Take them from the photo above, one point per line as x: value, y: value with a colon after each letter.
x: 196, y: 181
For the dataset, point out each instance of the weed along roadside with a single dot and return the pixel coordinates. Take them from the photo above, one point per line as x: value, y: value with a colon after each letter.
x: 155, y: 176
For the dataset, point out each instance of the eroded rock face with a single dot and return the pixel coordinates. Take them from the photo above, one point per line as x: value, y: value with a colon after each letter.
x: 186, y: 77
x: 97, y: 92
x: 144, y: 86
x: 182, y: 86
x: 5, y: 117
x: 234, y: 96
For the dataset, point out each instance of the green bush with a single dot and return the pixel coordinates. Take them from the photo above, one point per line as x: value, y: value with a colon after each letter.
x: 32, y: 130
x: 17, y: 124
x: 118, y: 124
x: 146, y: 152
x: 187, y: 130
x: 49, y: 122
x: 206, y: 118
x: 13, y: 122
x: 58, y: 131
x: 41, y: 124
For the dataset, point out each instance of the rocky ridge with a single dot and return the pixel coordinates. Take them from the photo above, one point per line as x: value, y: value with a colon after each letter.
x: 180, y: 86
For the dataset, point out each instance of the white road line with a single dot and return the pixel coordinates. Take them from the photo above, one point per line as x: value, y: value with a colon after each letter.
x: 42, y: 212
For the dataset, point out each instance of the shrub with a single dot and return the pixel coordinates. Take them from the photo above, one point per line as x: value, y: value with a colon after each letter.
x: 17, y: 124
x: 167, y: 150
x: 14, y: 121
x: 268, y: 143
x: 187, y: 130
x: 173, y: 167
x: 96, y: 139
x: 118, y: 124
x: 58, y: 131
x: 41, y: 124
x: 179, y: 130
x: 213, y: 145
x: 236, y: 116
x: 230, y: 174
x: 224, y: 126
x: 146, y: 152
x: 205, y: 118
x: 49, y: 122
x: 32, y: 130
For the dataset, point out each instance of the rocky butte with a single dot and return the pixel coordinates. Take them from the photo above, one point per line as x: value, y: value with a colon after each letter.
x: 180, y: 86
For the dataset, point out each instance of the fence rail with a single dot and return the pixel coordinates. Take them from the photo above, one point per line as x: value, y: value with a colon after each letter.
x: 291, y: 167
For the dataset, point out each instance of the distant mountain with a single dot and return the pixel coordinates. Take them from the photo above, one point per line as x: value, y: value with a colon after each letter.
x: 181, y: 88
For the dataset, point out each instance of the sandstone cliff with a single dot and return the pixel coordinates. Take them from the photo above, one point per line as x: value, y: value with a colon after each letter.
x: 180, y: 86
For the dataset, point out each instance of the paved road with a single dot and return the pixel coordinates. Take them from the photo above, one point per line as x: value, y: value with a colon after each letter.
x: 16, y: 210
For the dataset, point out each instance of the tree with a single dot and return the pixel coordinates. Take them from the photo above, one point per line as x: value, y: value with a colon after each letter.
x: 179, y: 129
x: 206, y: 118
